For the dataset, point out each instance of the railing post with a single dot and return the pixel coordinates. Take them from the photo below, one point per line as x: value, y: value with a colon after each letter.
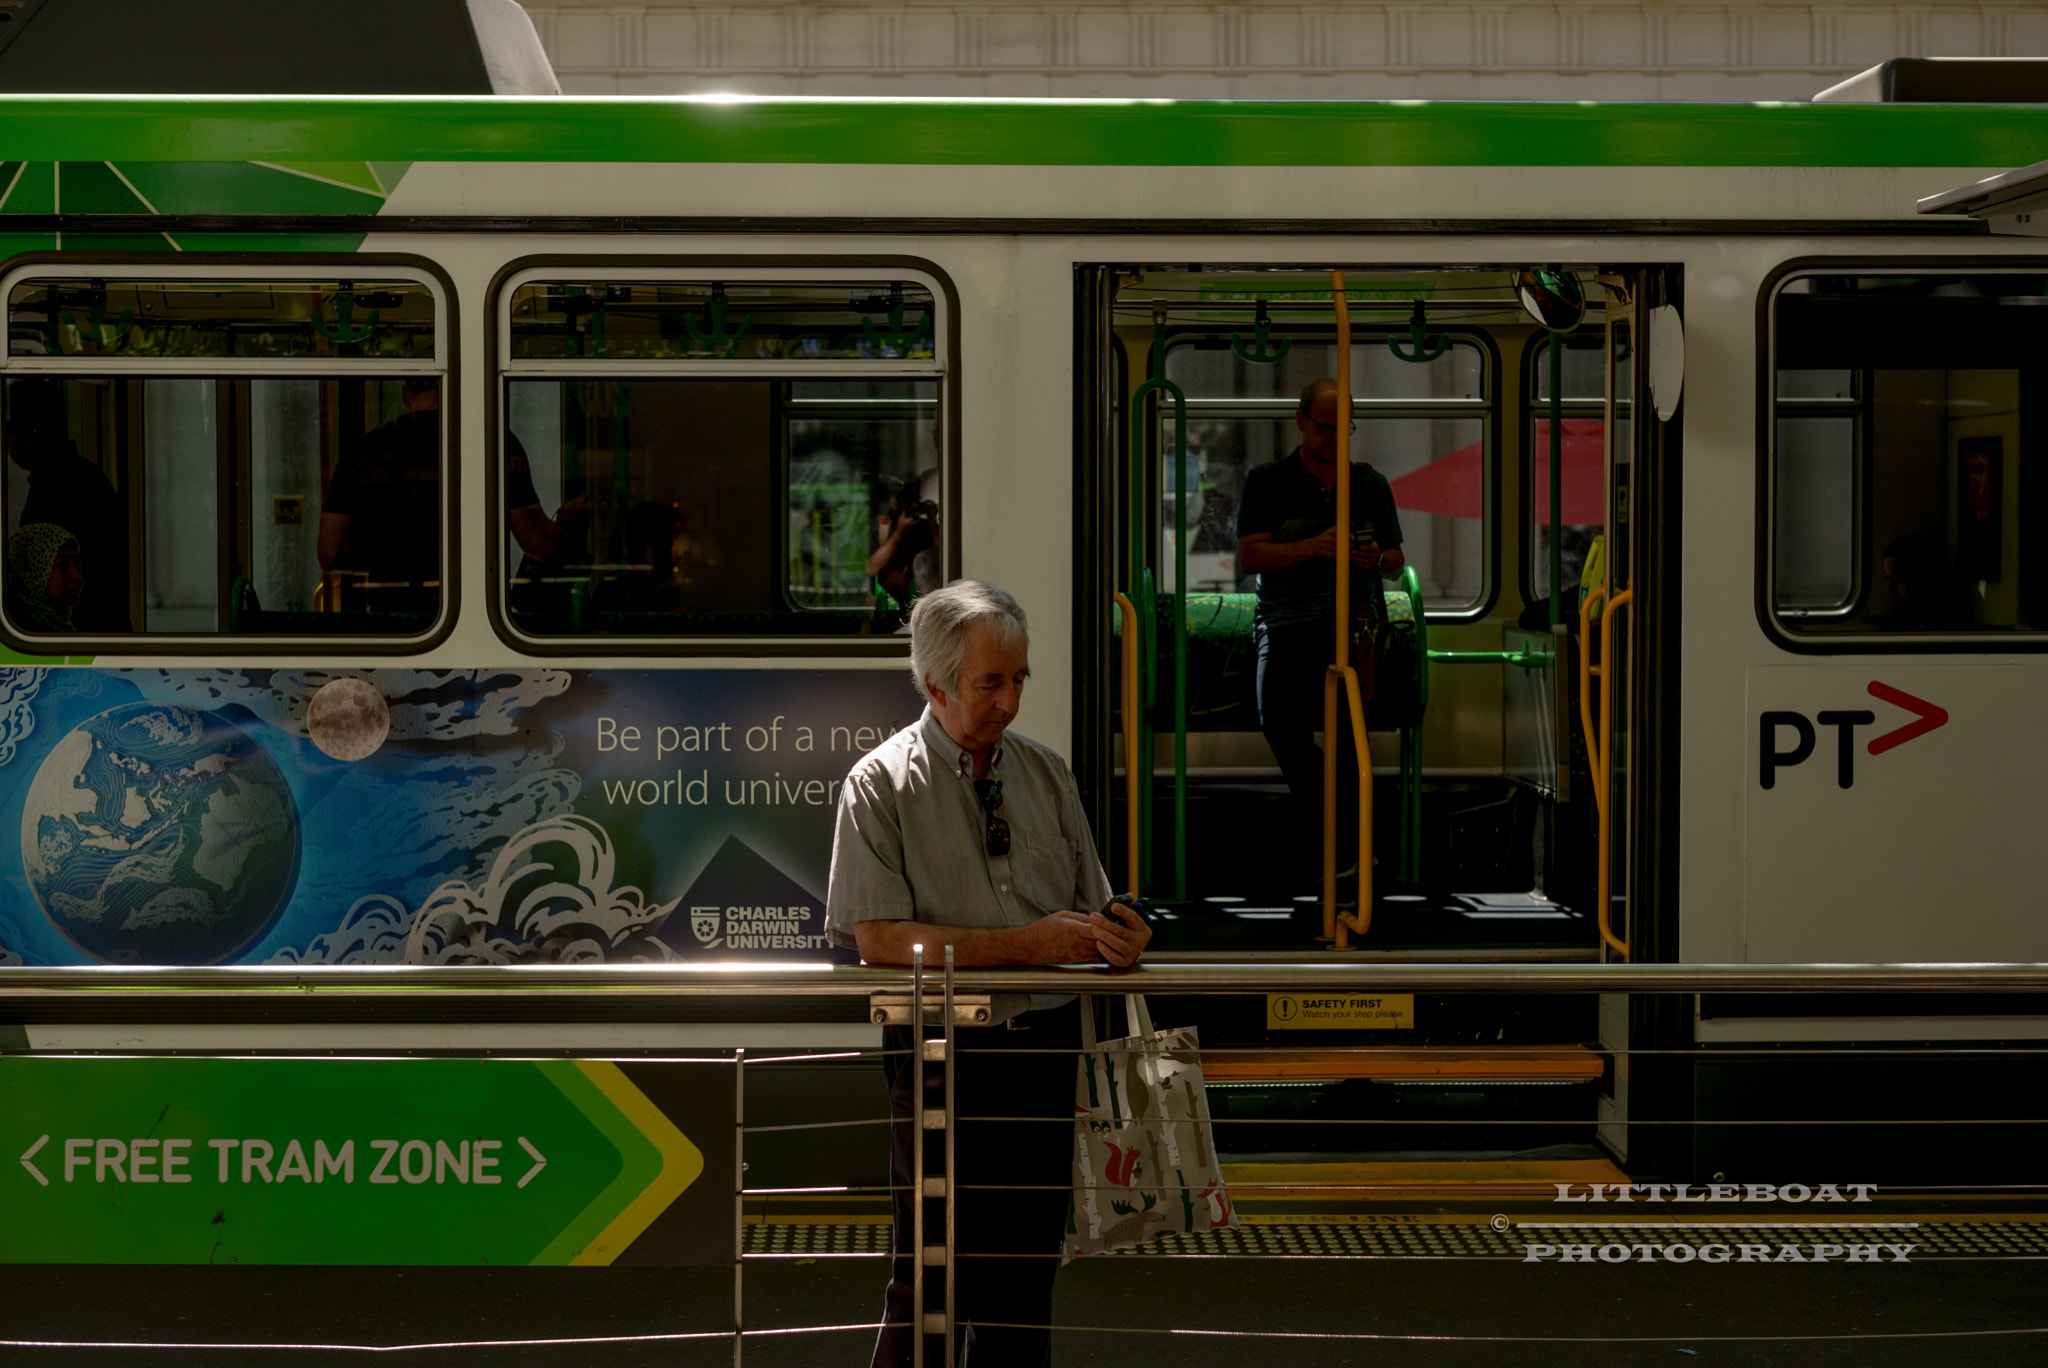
x: 917, y: 1116
x: 951, y: 1119
x: 739, y: 1200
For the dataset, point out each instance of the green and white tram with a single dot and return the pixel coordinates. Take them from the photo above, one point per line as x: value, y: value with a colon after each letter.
x: 482, y: 510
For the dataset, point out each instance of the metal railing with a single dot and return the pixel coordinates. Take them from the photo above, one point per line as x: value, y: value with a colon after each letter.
x: 97, y: 987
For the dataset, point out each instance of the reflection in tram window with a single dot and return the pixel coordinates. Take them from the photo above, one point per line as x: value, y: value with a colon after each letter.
x: 1903, y: 480
x: 736, y: 457
x: 1423, y: 425
x: 704, y: 506
x: 354, y: 322
x: 737, y: 321
x: 201, y: 505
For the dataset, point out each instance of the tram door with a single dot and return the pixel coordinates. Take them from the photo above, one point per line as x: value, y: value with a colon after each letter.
x: 1504, y: 810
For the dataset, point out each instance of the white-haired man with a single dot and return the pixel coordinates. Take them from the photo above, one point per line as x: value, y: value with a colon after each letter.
x: 957, y: 832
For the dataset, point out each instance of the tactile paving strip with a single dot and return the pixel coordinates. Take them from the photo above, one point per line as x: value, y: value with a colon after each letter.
x: 1939, y: 1239
x: 867, y: 1237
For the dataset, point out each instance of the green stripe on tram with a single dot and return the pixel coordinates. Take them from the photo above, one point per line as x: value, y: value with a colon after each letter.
x: 1020, y: 132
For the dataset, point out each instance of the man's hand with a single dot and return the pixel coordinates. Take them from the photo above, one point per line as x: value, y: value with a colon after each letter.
x: 1062, y: 938
x: 1323, y: 546
x: 1120, y: 939
x: 1366, y: 554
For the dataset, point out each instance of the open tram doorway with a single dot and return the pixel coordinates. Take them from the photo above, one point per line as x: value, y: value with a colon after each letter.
x: 1496, y: 830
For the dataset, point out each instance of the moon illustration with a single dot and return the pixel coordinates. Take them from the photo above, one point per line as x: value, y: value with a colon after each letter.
x: 348, y: 719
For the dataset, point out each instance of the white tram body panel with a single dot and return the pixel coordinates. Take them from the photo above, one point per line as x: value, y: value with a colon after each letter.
x: 1925, y: 857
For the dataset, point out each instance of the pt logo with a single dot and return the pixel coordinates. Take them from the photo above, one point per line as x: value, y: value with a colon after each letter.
x: 1772, y: 727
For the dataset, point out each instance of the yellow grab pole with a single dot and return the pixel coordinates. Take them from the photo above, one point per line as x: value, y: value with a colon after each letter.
x: 1342, y: 657
x: 1334, y: 925
x: 1330, y: 686
x: 1605, y: 777
x: 1587, y: 670
x: 1134, y: 732
x: 1360, y: 920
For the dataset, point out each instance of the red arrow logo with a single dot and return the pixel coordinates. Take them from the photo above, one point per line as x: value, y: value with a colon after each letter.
x: 1927, y: 717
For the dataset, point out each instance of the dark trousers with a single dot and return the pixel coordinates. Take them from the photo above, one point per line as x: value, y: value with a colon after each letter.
x: 1293, y: 660
x: 1007, y: 1238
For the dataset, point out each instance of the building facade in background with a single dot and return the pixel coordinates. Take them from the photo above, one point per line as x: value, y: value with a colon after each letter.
x: 1340, y: 49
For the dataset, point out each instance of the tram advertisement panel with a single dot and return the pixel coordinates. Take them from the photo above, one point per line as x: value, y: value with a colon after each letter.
x: 190, y: 817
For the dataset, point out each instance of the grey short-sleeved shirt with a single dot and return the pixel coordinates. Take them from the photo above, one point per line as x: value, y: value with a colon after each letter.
x: 910, y: 842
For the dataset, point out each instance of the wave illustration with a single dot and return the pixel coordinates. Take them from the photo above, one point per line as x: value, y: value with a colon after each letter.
x: 549, y: 898
x: 18, y: 689
x: 426, y: 705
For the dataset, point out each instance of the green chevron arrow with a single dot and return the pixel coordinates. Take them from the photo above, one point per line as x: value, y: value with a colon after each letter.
x: 315, y: 1161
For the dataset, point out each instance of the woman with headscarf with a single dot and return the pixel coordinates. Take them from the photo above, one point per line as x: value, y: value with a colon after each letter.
x: 45, y: 578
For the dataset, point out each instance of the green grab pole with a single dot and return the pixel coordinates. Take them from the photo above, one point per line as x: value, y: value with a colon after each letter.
x: 622, y: 476
x: 1180, y: 617
x: 1556, y: 478
x: 1409, y: 867
x: 1148, y: 636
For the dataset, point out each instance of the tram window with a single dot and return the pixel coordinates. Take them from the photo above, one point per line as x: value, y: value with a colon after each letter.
x: 1905, y: 490
x: 294, y: 506
x: 696, y: 458
x: 287, y: 506
x: 1425, y: 426
x: 735, y: 321
x: 353, y: 323
x: 1583, y: 459
x: 231, y: 454
x: 717, y: 507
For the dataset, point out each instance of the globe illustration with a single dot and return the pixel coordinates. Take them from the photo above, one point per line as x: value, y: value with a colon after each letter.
x: 157, y: 834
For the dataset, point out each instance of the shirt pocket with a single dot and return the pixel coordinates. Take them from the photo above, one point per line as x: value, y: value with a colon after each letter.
x: 1043, y: 866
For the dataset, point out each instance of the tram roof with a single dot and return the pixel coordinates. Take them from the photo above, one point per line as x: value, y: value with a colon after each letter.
x: 1090, y: 132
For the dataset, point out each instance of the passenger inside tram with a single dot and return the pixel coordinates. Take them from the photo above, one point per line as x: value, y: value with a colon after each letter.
x: 69, y: 491
x: 644, y: 578
x: 1287, y: 536
x: 905, y: 562
x: 380, y: 522
x: 45, y: 578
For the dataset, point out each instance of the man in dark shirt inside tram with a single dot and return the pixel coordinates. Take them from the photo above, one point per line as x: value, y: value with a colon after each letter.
x: 956, y: 832
x: 1287, y: 535
x: 381, y: 519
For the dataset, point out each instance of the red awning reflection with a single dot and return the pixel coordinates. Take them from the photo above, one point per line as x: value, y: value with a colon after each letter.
x: 1454, y: 485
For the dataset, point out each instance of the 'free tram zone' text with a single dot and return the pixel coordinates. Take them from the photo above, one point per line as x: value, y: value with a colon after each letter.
x: 171, y: 1160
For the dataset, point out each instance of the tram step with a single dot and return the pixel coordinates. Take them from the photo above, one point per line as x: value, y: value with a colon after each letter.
x: 1507, y: 1063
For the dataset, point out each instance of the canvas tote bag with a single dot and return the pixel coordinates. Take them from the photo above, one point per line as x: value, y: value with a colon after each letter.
x: 1144, y: 1151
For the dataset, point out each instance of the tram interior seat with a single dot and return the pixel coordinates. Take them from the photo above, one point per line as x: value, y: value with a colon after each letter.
x: 1222, y: 662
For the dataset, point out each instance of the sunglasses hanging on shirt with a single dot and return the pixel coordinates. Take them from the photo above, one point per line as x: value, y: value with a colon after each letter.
x: 990, y: 791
